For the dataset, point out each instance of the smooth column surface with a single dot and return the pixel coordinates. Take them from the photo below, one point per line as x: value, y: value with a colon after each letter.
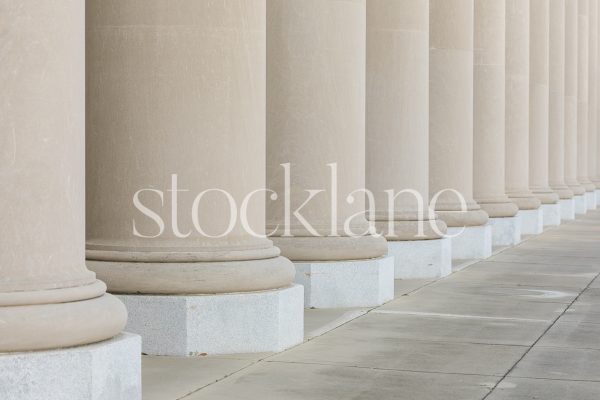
x: 488, y: 109
x: 451, y: 111
x: 539, y: 101
x: 583, y: 95
x: 517, y: 105
x: 397, y: 144
x: 571, y: 94
x: 48, y: 299
x: 316, y: 60
x: 556, y: 117
x: 593, y: 92
x: 595, y: 174
x: 175, y: 102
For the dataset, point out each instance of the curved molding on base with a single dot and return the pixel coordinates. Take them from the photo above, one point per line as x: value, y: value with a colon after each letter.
x: 563, y: 191
x: 331, y: 248
x: 546, y: 196
x: 499, y: 209
x: 454, y: 219
x: 51, y: 326
x: 526, y: 202
x: 194, y: 278
x: 409, y: 229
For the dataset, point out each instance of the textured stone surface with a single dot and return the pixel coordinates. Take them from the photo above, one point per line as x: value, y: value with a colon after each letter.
x: 108, y: 370
x: 580, y: 204
x: 506, y: 231
x: 217, y: 324
x: 532, y: 221
x: 598, y: 191
x: 567, y: 209
x: 471, y: 242
x: 590, y: 200
x: 551, y: 214
x: 360, y: 283
x: 421, y: 258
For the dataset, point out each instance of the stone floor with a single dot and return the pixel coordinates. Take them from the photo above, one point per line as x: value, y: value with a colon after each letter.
x: 524, y: 324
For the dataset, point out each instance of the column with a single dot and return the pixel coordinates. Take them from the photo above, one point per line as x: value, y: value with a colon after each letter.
x: 451, y: 126
x: 176, y: 176
x: 397, y: 144
x: 556, y: 117
x: 539, y: 82
x: 489, y: 124
x: 571, y: 51
x: 49, y: 300
x: 583, y: 101
x: 593, y: 100
x: 316, y: 63
x: 517, y: 116
x: 596, y: 151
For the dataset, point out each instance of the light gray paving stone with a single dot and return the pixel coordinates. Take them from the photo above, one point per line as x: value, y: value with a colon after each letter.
x: 559, y: 363
x: 545, y: 389
x: 572, y: 334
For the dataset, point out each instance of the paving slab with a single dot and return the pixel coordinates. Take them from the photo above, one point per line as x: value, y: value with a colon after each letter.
x: 559, y: 363
x: 572, y: 334
x: 545, y: 389
x: 277, y: 381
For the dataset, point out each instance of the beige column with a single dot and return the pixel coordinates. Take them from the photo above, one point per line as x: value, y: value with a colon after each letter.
x: 571, y: 90
x: 556, y: 117
x: 593, y: 93
x: 488, y: 109
x: 583, y: 95
x: 596, y: 173
x: 451, y: 111
x: 397, y: 144
x: 176, y: 107
x: 316, y: 60
x: 539, y: 82
x: 48, y: 299
x: 517, y: 105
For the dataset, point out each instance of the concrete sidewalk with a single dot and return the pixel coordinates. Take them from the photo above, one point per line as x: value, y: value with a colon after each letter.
x: 524, y: 324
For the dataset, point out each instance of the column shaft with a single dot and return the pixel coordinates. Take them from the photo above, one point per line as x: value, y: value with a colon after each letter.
x: 517, y: 105
x: 316, y: 60
x: 48, y: 299
x: 176, y: 107
x: 583, y: 94
x: 593, y: 92
x: 488, y: 107
x: 556, y: 117
x: 397, y: 144
x: 451, y: 111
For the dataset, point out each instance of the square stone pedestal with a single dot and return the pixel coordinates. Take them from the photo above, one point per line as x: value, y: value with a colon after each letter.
x: 567, y: 209
x: 597, y: 198
x: 532, y: 221
x: 580, y: 204
x: 506, y: 231
x: 590, y: 200
x: 188, y: 325
x: 356, y: 283
x: 551, y: 214
x: 419, y: 259
x: 471, y: 242
x: 100, y: 371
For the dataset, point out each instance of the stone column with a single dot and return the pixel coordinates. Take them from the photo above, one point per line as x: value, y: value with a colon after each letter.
x: 556, y: 118
x: 176, y: 176
x: 539, y: 82
x: 488, y: 122
x: 593, y: 101
x: 517, y: 116
x: 571, y: 51
x: 451, y: 126
x: 48, y: 298
x: 596, y: 151
x: 397, y: 145
x: 316, y: 60
x: 583, y: 100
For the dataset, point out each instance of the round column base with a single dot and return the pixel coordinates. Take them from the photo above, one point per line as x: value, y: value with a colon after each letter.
x: 458, y: 219
x: 528, y: 202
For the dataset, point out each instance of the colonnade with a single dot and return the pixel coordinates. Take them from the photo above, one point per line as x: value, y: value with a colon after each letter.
x: 247, y: 159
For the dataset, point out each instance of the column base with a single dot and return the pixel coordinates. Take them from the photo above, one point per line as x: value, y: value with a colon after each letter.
x: 110, y: 369
x: 590, y: 200
x: 597, y: 198
x: 246, y: 322
x: 567, y: 209
x: 475, y: 242
x: 532, y: 221
x: 419, y: 259
x: 357, y: 283
x: 506, y: 231
x: 551, y: 214
x: 580, y: 204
